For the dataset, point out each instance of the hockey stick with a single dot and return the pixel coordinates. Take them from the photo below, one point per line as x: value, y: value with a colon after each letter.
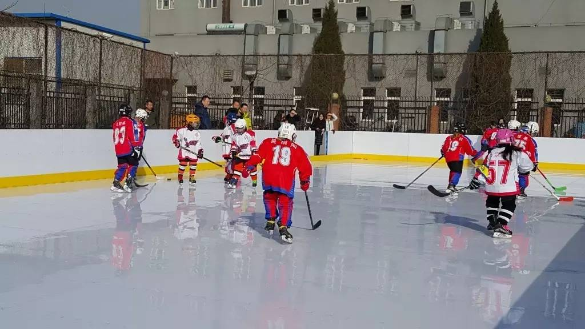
x: 561, y: 199
x: 315, y: 225
x: 558, y: 190
x: 149, y: 167
x: 401, y: 187
x: 204, y: 158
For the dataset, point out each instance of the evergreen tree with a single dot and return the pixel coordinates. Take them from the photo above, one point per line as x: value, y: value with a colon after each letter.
x: 326, y: 73
x: 490, y: 78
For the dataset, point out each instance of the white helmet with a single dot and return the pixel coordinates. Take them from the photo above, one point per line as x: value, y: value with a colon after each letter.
x: 240, y: 125
x: 533, y: 128
x: 287, y: 131
x: 514, y: 124
x: 141, y: 114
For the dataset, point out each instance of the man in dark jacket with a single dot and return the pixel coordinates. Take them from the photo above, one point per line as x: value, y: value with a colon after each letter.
x: 202, y: 112
x: 293, y: 118
x: 152, y: 120
x: 233, y: 110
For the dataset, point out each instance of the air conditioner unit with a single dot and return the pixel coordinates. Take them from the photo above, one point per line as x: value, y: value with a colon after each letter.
x: 365, y: 28
x: 466, y: 8
x: 410, y: 26
x: 362, y: 13
x: 270, y: 29
x: 396, y: 27
x: 470, y: 25
x: 305, y: 29
x: 456, y: 24
x: 407, y: 11
x: 285, y: 15
x: 350, y: 28
x: 317, y: 14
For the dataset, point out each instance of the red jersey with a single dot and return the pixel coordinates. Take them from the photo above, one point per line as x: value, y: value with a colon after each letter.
x: 282, y: 159
x: 141, y: 131
x: 489, y: 137
x: 126, y: 136
x: 527, y: 144
x: 456, y: 147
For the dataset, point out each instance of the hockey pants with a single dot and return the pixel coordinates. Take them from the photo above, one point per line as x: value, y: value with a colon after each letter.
x: 278, y: 205
x: 501, y: 214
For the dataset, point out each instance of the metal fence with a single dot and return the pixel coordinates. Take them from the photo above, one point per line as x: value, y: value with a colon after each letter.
x: 52, y: 77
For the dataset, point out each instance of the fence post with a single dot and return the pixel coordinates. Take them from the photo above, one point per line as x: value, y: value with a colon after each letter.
x: 133, y: 99
x: 91, y: 93
x: 546, y: 122
x: 165, y: 110
x: 36, y: 103
x: 433, y: 120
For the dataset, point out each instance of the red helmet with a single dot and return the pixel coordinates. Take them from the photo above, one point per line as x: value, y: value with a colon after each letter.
x: 505, y: 136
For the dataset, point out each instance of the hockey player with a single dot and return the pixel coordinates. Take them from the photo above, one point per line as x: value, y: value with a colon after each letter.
x: 488, y: 140
x: 188, y: 141
x: 454, y: 150
x: 505, y: 162
x: 128, y: 146
x: 282, y: 158
x: 523, y: 140
x: 226, y: 139
x: 243, y: 147
x: 140, y: 118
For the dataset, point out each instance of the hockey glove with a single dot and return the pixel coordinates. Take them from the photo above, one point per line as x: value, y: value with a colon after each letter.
x: 234, y: 154
x: 226, y: 157
x: 484, y: 147
x: 535, y: 167
x: 136, y: 152
x: 305, y: 185
x: 442, y: 153
x: 474, y: 185
x: 250, y: 168
x: 245, y: 173
x: 216, y: 139
x: 200, y: 154
x: 177, y: 144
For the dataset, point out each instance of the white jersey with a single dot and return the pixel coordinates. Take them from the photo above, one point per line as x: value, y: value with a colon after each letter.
x: 189, y: 142
x: 244, y: 144
x: 226, y: 135
x: 502, y: 179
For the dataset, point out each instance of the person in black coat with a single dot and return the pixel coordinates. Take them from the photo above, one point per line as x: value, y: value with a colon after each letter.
x: 202, y: 112
x: 318, y: 126
x: 293, y: 118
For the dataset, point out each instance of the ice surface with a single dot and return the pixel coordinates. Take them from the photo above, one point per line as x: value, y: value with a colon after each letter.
x: 79, y: 256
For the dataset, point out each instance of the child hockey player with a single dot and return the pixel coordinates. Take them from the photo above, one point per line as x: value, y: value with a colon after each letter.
x: 505, y: 162
x: 187, y: 140
x: 128, y: 146
x: 523, y: 140
x: 226, y: 139
x: 454, y: 150
x: 243, y: 147
x: 282, y: 158
x: 140, y: 118
x: 488, y: 140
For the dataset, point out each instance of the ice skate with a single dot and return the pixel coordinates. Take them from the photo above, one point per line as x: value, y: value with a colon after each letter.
x: 502, y: 231
x: 192, y: 182
x: 117, y: 187
x: 128, y: 184
x: 269, y: 226
x: 232, y: 184
x: 285, y: 234
x: 491, y: 224
x: 522, y: 194
x: 254, y: 183
x: 180, y: 183
x: 451, y: 189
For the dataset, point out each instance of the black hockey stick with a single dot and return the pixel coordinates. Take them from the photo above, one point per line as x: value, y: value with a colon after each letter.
x: 149, y: 167
x: 315, y: 225
x: 204, y: 158
x: 442, y: 194
x: 401, y: 187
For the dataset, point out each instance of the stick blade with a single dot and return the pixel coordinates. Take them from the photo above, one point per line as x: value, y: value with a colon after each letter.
x: 400, y: 187
x: 317, y: 224
x: 436, y: 192
x: 566, y: 199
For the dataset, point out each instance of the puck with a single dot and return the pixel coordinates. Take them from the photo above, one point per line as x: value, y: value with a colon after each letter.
x: 168, y: 179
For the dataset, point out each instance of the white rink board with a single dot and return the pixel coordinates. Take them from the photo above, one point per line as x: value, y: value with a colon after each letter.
x: 34, y: 152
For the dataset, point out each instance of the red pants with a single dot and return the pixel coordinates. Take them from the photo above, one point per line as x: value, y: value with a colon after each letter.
x: 278, y: 205
x: 183, y: 163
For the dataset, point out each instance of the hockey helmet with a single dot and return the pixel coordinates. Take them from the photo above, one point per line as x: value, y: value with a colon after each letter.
x: 287, y: 131
x: 460, y: 128
x: 533, y: 127
x: 502, y: 123
x: 524, y: 128
x: 514, y: 124
x: 231, y: 117
x: 505, y: 137
x: 240, y: 125
x: 125, y: 110
x: 193, y: 120
x: 141, y: 114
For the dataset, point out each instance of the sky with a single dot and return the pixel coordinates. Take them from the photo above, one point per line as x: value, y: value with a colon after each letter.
x: 122, y: 15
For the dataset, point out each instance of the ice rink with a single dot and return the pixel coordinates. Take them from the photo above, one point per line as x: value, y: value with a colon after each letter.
x: 79, y: 256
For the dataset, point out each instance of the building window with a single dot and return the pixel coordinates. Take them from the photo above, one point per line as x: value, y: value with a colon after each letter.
x: 523, y: 104
x: 207, y: 3
x: 298, y: 2
x: 392, y: 103
x: 165, y: 4
x: 191, y: 95
x: 443, y: 101
x: 258, y: 101
x: 368, y: 102
x: 348, y: 1
x: 557, y: 97
x: 237, y: 92
x: 298, y: 95
x: 31, y: 65
x: 251, y: 3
